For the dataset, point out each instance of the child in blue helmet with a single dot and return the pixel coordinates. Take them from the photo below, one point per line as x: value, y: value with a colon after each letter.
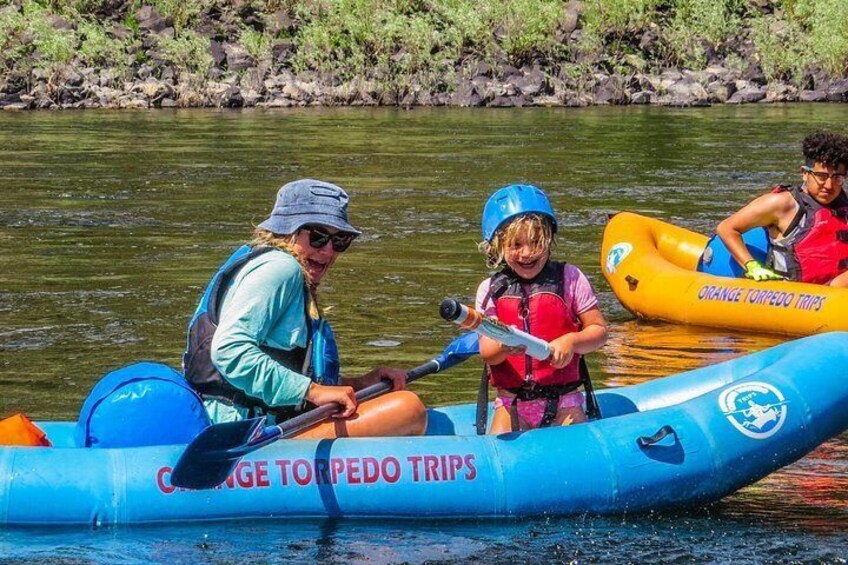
x: 548, y: 299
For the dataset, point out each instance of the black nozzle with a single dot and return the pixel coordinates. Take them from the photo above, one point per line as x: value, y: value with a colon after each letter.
x: 450, y: 309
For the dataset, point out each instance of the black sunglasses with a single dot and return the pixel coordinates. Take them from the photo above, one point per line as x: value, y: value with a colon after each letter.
x: 822, y: 176
x: 318, y: 238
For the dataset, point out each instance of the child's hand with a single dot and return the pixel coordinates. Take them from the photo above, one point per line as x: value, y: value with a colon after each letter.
x: 562, y: 351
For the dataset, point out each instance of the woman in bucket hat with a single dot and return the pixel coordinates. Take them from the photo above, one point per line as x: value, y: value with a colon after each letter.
x: 257, y: 343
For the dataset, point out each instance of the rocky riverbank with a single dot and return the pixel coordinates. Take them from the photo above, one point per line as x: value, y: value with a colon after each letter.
x: 231, y: 70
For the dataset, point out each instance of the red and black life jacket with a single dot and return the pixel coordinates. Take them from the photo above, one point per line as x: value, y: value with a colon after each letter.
x: 814, y: 248
x: 538, y: 307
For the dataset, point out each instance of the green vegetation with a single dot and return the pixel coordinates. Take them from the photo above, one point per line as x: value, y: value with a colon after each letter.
x: 426, y: 41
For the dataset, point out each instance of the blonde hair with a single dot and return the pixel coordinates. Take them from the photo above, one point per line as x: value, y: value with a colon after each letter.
x: 285, y: 242
x: 535, y: 228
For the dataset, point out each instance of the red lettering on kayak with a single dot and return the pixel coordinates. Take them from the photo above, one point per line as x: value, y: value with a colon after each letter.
x: 346, y: 470
x: 302, y: 471
x: 262, y: 474
x: 391, y: 469
x: 353, y: 471
x: 472, y: 470
x: 283, y: 465
x: 415, y: 460
x: 165, y: 486
x: 372, y: 470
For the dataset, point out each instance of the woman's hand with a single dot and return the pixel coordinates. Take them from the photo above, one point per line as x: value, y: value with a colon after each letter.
x: 341, y: 395
x: 377, y: 374
x: 562, y: 351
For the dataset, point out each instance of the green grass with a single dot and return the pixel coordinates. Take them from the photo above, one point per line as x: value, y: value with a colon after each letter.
x: 404, y: 42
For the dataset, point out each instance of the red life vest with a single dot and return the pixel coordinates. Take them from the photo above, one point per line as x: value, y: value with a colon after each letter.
x: 539, y: 308
x: 814, y: 248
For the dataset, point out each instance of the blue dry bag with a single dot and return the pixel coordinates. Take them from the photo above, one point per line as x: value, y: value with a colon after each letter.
x: 141, y: 404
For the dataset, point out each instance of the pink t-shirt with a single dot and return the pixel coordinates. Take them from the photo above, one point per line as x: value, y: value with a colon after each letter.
x: 579, y: 296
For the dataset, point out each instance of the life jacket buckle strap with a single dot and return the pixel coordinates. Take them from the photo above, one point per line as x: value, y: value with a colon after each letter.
x: 842, y: 235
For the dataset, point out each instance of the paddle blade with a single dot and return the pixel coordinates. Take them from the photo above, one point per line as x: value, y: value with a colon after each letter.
x: 459, y: 350
x: 211, y: 457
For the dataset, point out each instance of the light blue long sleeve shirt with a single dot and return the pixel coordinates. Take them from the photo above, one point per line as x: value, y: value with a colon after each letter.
x: 264, y: 306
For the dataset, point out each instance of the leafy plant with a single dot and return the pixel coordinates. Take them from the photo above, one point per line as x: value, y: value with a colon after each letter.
x: 187, y: 51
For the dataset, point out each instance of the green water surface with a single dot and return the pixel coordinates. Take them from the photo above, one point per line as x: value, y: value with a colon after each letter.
x: 112, y: 222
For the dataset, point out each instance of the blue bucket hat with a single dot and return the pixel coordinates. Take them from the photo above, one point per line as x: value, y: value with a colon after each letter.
x: 309, y: 201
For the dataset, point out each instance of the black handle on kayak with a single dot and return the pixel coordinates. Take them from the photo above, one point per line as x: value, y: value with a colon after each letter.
x: 662, y: 433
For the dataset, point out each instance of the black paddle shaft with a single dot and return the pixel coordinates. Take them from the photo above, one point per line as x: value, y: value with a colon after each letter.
x: 312, y: 417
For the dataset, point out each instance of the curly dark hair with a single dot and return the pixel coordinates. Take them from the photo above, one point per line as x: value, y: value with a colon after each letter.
x: 829, y: 149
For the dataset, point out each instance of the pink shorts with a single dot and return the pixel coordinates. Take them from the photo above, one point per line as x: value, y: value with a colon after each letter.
x: 532, y: 411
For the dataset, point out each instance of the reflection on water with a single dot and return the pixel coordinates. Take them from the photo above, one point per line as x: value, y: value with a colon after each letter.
x: 638, y: 351
x: 112, y: 222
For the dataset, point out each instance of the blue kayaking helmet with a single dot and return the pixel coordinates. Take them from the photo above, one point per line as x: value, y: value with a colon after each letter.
x: 514, y: 200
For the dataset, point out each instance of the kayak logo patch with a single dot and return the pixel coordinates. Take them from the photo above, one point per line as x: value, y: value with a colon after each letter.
x: 756, y: 409
x: 617, y: 254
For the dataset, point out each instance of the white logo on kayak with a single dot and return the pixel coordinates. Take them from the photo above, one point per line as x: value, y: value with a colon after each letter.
x: 756, y: 409
x: 617, y: 254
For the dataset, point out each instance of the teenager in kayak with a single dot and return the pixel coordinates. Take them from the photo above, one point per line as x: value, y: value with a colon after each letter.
x: 548, y: 299
x: 257, y: 343
x: 807, y: 223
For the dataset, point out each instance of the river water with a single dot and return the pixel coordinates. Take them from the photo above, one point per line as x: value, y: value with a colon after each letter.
x: 112, y: 222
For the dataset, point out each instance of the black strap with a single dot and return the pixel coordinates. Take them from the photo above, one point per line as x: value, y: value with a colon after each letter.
x: 842, y: 235
x: 795, y: 192
x: 550, y: 393
x: 661, y: 434
x: 593, y: 409
x: 843, y: 263
x: 513, y: 415
x: 482, y: 403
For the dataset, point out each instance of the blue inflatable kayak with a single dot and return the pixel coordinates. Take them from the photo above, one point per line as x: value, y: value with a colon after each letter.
x: 674, y: 442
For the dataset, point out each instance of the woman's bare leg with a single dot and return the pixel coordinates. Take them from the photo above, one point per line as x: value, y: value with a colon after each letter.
x: 399, y: 413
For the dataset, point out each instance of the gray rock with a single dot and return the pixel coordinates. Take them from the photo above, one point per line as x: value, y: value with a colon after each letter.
x: 747, y: 95
x: 478, y: 68
x: 642, y: 97
x: 231, y: 98
x: 812, y: 96
x: 16, y: 106
x: 838, y: 91
x: 686, y: 92
x: 547, y: 100
x: 570, y: 17
x: 58, y: 22
x: 282, y: 50
x: 466, y: 95
x: 280, y: 21
x: 531, y: 83
x: 508, y: 102
x: 720, y: 92
x: 254, y: 79
x: 754, y: 74
x: 610, y: 91
x: 780, y: 92
x: 149, y: 19
x: 216, y: 49
x: 7, y: 99
x: 238, y: 58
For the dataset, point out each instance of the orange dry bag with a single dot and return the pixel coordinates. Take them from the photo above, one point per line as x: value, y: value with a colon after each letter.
x: 19, y: 430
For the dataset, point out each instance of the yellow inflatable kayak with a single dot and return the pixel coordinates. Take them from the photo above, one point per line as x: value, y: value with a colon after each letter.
x: 655, y: 270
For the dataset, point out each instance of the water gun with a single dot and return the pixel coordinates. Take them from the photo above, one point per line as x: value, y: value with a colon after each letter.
x: 470, y: 319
